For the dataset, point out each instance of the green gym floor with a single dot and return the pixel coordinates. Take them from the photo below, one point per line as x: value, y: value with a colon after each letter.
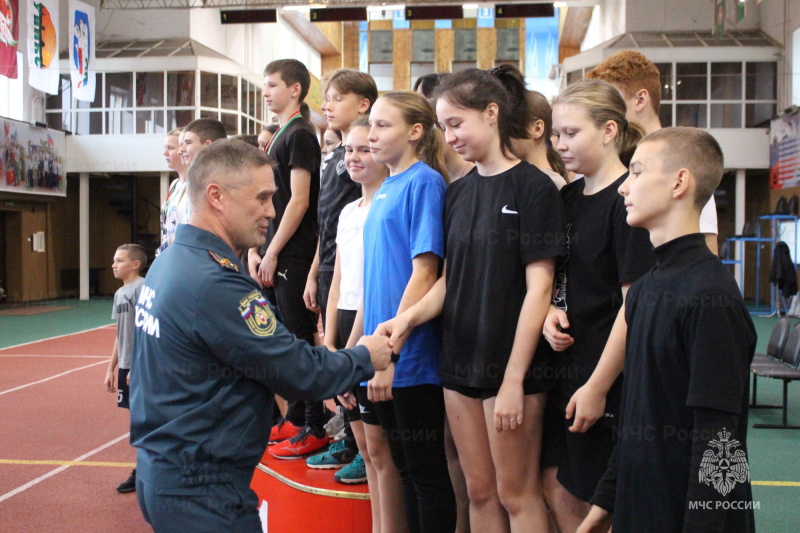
x: 774, y: 454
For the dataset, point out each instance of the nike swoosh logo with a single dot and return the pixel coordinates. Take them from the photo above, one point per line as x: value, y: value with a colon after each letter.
x: 508, y: 211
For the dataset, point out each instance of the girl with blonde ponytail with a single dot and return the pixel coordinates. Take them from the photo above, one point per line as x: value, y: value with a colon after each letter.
x: 586, y: 320
x: 403, y: 247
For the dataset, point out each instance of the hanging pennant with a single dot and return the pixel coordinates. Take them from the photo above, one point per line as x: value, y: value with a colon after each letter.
x: 81, y: 50
x: 43, y: 45
x: 9, y: 36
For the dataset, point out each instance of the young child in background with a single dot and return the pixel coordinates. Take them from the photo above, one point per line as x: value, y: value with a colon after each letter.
x: 538, y: 150
x: 129, y: 260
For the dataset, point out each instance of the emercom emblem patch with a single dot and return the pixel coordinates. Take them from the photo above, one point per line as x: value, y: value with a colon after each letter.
x: 257, y: 314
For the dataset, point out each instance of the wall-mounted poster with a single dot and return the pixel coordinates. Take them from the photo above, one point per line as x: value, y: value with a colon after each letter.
x: 784, y: 151
x: 32, y: 159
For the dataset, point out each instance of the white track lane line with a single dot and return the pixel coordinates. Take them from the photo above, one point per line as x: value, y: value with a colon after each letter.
x: 52, y: 377
x: 108, y: 326
x: 62, y: 356
x: 52, y: 473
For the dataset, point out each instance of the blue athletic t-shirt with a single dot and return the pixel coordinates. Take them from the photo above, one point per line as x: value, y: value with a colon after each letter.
x: 405, y: 220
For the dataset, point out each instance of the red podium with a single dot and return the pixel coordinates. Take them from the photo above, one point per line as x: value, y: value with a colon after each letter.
x: 294, y: 497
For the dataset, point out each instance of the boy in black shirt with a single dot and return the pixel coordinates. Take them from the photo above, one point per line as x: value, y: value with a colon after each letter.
x: 680, y: 462
x: 292, y: 237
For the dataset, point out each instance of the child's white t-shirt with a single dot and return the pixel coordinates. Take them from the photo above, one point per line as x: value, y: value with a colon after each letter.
x: 350, y: 239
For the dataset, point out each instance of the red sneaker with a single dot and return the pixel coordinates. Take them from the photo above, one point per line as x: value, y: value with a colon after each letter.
x: 301, y: 445
x: 283, y: 430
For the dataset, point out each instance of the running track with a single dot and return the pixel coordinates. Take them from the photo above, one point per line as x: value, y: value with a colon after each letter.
x: 63, y: 441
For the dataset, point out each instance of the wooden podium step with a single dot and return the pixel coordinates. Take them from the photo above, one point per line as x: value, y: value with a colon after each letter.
x: 295, y: 498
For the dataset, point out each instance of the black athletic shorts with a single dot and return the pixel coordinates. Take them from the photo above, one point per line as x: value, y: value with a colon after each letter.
x: 123, y: 391
x: 367, y: 409
x: 528, y: 388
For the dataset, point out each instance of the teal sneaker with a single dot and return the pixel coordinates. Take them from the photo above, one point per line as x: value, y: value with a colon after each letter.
x: 353, y: 474
x: 337, y: 456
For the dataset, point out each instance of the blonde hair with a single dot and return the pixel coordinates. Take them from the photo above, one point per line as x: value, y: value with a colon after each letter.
x: 603, y: 103
x: 416, y: 109
x: 175, y: 133
x: 695, y: 150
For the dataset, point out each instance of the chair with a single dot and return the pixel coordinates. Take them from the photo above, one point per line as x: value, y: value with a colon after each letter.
x: 775, y: 346
x: 786, y: 370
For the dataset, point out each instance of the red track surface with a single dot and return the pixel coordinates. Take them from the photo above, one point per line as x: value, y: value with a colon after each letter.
x: 63, y: 419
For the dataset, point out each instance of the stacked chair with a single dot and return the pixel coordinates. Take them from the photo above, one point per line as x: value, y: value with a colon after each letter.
x: 780, y: 362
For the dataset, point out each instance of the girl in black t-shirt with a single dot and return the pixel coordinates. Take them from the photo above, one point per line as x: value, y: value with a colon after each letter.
x: 605, y: 256
x: 503, y: 231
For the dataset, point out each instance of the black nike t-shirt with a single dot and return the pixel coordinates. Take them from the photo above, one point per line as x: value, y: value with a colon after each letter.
x: 296, y: 146
x: 494, y: 227
x: 336, y: 191
x: 603, y: 252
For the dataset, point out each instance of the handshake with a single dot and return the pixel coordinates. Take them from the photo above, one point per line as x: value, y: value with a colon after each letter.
x: 380, y: 352
x: 385, y: 344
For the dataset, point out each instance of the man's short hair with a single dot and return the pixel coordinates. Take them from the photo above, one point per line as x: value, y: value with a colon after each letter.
x: 347, y: 81
x: 695, y: 150
x: 631, y: 71
x: 292, y: 71
x: 207, y: 129
x: 226, y: 163
x: 136, y: 252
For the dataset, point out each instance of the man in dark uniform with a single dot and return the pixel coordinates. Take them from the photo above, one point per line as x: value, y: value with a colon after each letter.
x: 210, y: 353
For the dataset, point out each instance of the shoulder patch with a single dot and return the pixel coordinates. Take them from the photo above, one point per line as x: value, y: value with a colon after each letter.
x: 257, y: 314
x: 224, y: 261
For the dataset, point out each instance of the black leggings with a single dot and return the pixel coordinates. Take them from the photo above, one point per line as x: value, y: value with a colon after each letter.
x: 414, y: 425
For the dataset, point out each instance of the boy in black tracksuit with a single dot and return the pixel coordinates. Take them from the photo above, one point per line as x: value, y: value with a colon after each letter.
x: 680, y: 462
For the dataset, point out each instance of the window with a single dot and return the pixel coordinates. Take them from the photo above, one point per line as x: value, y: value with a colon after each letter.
x: 691, y: 81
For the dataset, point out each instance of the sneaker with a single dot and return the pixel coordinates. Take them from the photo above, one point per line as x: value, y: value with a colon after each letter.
x: 129, y: 485
x: 335, y: 425
x: 304, y: 443
x: 283, y: 430
x: 353, y: 474
x: 337, y: 456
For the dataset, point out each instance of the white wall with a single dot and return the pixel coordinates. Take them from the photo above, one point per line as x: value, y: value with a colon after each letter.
x: 779, y: 20
x: 115, y: 153
x: 686, y: 15
x: 608, y: 21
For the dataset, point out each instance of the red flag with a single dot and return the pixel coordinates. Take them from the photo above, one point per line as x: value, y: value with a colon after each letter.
x: 9, y: 37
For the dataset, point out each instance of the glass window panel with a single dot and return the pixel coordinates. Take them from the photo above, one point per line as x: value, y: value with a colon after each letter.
x: 758, y: 115
x: 97, y: 103
x: 209, y: 89
x: 691, y: 115
x: 149, y: 89
x: 726, y: 115
x: 466, y: 45
x: 244, y: 125
x: 120, y: 122
x: 180, y: 89
x: 423, y: 50
x: 209, y: 114
x: 119, y: 89
x: 58, y: 120
x: 691, y: 81
x: 61, y: 100
x: 257, y: 97
x: 87, y: 123
x: 380, y: 46
x: 179, y: 118
x: 574, y: 76
x: 665, y: 115
x: 229, y: 92
x: 667, y: 83
x: 761, y: 83
x: 244, y: 93
x: 726, y: 82
x: 231, y: 123
x: 150, y: 121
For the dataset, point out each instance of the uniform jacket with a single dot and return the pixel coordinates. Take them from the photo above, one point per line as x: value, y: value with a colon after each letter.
x: 209, y: 353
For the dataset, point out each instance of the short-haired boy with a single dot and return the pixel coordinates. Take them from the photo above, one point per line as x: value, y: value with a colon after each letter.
x: 129, y: 260
x: 292, y: 238
x: 638, y: 80
x: 198, y: 134
x: 680, y: 462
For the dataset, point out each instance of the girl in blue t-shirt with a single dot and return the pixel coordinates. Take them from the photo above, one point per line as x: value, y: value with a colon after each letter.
x: 403, y: 245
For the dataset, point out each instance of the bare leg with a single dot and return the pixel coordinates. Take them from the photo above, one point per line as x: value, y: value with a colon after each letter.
x: 458, y: 481
x: 468, y: 427
x: 372, y: 474
x: 517, y: 455
x: 283, y: 405
x: 567, y: 511
x: 393, y: 519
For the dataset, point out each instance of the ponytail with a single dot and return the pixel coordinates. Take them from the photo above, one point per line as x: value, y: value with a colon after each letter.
x: 628, y: 139
x: 416, y: 109
x: 504, y: 86
x: 305, y: 111
x: 555, y: 161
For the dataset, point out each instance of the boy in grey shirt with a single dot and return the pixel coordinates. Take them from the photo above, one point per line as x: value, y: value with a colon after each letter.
x: 129, y: 260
